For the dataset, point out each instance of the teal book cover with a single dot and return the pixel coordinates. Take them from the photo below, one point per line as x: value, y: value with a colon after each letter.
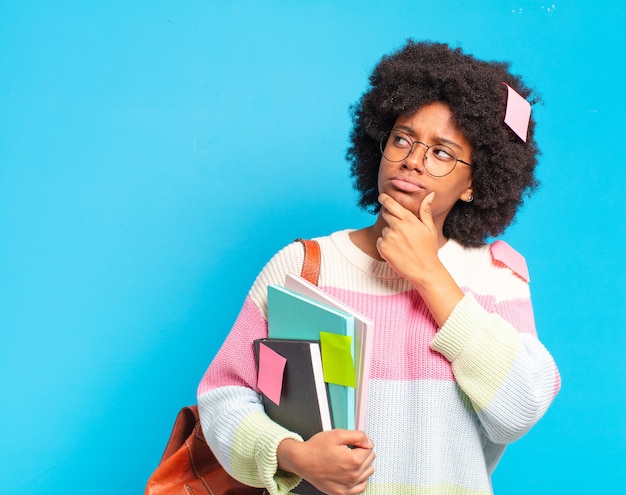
x: 294, y: 316
x: 363, y: 339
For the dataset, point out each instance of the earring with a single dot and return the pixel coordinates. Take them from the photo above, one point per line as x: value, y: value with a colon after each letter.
x: 471, y: 198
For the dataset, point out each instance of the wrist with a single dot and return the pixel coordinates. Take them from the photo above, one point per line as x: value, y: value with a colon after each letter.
x: 428, y: 275
x: 439, y: 290
x: 287, y: 454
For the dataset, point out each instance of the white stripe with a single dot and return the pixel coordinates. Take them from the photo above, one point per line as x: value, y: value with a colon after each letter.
x: 521, y: 399
x: 220, y: 423
x: 445, y: 444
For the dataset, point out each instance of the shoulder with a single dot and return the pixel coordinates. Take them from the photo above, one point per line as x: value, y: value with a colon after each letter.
x: 288, y: 259
x: 490, y: 269
x: 497, y: 256
x: 505, y: 255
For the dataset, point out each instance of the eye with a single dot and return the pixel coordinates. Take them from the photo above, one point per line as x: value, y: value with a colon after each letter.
x: 443, y: 153
x: 400, y: 140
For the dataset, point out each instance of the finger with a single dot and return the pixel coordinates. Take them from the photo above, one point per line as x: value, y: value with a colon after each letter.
x: 393, y: 214
x: 355, y: 438
x: 378, y: 243
x: 358, y: 488
x: 389, y: 217
x: 426, y: 215
x: 361, y: 480
x: 391, y: 205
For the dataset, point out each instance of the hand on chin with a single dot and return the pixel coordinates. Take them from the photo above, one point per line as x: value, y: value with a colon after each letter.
x: 409, y: 201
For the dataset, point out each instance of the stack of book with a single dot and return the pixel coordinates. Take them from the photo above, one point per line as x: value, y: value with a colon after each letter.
x: 314, y: 366
x: 326, y: 346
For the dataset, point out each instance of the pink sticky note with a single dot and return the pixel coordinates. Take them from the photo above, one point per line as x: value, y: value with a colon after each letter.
x: 271, y: 371
x: 517, y: 114
x: 505, y: 254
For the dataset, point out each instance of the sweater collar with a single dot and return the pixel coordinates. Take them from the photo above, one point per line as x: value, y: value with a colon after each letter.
x: 364, y: 262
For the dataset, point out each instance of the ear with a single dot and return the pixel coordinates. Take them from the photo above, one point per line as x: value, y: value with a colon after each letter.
x: 468, y: 194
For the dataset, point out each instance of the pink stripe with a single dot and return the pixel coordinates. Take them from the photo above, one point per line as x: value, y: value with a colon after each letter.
x: 403, y: 332
x: 518, y: 312
x: 404, y: 329
x: 232, y: 364
x: 557, y: 381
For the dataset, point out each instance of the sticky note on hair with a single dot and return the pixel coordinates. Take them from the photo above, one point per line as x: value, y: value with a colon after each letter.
x: 517, y: 115
x: 505, y: 254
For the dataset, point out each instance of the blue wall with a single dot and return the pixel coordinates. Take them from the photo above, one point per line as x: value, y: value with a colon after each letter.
x: 153, y: 156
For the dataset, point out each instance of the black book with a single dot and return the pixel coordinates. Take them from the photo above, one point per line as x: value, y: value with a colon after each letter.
x: 304, y: 406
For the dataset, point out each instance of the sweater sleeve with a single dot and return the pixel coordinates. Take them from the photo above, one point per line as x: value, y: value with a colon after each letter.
x: 508, y: 375
x: 243, y: 438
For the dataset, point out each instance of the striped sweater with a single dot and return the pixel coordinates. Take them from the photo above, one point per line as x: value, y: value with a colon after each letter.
x: 442, y: 402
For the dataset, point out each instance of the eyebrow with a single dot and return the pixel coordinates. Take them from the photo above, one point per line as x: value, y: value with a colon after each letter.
x: 438, y: 139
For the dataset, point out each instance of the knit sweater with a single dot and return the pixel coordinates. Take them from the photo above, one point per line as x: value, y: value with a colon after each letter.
x: 442, y: 402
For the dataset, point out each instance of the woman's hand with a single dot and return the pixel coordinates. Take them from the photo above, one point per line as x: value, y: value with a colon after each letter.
x: 410, y: 245
x: 337, y: 462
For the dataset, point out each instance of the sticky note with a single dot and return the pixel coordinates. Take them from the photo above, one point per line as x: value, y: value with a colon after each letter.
x: 271, y: 372
x: 517, y: 115
x: 504, y: 253
x: 337, y: 359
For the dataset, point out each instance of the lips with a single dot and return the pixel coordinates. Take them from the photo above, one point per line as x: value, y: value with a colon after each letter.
x: 406, y: 185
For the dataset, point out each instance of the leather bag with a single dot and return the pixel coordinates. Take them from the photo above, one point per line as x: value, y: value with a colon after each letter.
x: 188, y: 466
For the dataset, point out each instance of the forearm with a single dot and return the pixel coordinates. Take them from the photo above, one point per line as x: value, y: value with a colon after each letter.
x: 509, y: 377
x: 438, y: 290
x: 244, y: 439
x: 236, y: 427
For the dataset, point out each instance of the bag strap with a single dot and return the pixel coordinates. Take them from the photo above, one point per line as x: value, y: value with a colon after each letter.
x: 312, y: 260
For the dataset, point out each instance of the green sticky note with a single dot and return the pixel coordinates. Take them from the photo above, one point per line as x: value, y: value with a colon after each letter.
x: 337, y: 359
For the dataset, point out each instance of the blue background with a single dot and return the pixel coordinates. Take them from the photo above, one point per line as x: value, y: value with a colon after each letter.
x: 155, y: 154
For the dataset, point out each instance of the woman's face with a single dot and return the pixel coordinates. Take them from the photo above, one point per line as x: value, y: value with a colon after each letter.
x: 408, y: 182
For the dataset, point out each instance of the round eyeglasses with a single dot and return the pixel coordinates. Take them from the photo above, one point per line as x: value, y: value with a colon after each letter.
x: 439, y: 159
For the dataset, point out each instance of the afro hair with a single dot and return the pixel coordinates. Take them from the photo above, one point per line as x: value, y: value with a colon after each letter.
x: 503, y: 166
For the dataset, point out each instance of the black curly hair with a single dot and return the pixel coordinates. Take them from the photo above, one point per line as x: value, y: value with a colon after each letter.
x: 503, y: 165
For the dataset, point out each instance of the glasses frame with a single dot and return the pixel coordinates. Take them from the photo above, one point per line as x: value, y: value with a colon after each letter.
x: 383, y: 145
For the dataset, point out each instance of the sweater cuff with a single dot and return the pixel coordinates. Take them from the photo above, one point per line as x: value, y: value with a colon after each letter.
x: 459, y: 328
x: 268, y: 435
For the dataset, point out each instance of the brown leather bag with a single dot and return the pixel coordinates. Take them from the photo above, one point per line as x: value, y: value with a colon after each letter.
x: 188, y: 467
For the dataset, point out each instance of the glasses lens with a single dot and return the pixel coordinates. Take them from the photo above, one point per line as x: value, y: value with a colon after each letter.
x: 440, y: 160
x: 395, y: 146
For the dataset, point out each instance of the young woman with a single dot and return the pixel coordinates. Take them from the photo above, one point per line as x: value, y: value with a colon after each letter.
x: 457, y: 370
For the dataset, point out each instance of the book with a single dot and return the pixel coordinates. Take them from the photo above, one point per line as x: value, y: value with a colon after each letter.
x: 294, y: 316
x: 304, y: 405
x: 363, y: 337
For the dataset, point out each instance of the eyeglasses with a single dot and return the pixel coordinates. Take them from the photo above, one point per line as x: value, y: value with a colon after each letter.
x: 439, y: 159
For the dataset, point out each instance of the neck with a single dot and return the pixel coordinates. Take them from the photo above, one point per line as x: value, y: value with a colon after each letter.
x: 365, y: 239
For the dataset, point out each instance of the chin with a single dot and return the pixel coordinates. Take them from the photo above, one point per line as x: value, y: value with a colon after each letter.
x: 410, y: 201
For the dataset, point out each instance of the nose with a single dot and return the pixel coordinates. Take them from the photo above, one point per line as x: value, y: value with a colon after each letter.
x: 415, y: 160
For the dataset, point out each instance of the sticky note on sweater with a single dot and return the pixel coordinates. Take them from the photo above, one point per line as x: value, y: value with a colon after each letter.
x: 504, y: 253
